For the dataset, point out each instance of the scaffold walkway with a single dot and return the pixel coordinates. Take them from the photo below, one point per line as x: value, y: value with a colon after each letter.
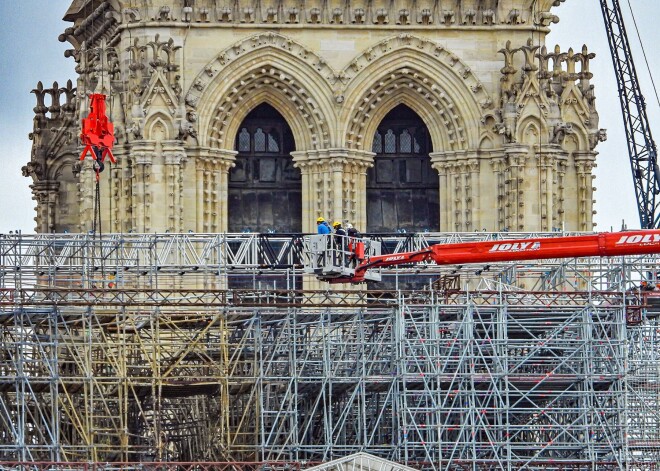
x: 137, y: 349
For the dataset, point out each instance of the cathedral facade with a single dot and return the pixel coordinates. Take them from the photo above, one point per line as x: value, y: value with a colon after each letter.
x: 260, y: 116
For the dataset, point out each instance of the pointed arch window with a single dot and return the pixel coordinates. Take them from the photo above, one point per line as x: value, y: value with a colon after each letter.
x: 377, y: 146
x: 265, y: 192
x: 405, y: 141
x: 390, y: 142
x: 259, y: 140
x: 244, y: 141
x: 273, y: 144
x: 402, y: 186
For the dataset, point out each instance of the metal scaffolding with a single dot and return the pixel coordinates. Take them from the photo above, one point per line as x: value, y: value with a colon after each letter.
x: 138, y: 348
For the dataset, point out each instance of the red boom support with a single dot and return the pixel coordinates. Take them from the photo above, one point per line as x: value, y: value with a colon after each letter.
x: 597, y: 245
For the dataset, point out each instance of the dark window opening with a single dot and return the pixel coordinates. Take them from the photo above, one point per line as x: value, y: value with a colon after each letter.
x: 265, y: 192
x: 402, y: 187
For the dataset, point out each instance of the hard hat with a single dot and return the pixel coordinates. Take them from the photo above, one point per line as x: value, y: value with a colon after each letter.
x: 320, y: 220
x: 336, y: 223
x: 349, y: 226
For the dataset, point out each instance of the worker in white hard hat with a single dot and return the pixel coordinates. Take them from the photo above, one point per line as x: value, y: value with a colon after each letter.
x: 340, y: 242
x: 351, y: 231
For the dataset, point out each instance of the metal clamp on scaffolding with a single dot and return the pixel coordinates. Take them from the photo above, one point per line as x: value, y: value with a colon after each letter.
x: 336, y: 256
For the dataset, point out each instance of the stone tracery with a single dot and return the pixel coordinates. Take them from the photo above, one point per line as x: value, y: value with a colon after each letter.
x: 493, y: 131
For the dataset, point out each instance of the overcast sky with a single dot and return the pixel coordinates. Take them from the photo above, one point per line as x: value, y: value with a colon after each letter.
x: 30, y: 51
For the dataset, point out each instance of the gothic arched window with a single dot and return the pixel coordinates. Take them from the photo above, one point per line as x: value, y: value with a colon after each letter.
x: 244, y: 141
x: 402, y: 187
x: 390, y: 142
x: 378, y: 143
x: 265, y: 191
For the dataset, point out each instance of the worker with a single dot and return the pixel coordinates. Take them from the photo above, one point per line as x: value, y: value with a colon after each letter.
x: 340, y: 242
x: 322, y: 227
x: 339, y: 231
x: 352, y: 232
x: 353, y: 236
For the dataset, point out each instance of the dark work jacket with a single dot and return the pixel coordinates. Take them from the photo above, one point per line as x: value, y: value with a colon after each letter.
x: 340, y: 242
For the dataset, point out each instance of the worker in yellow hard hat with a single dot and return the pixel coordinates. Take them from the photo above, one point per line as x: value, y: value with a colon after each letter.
x: 340, y: 231
x: 322, y: 227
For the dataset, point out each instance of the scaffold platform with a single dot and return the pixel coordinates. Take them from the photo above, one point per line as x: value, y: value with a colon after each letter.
x: 217, y: 351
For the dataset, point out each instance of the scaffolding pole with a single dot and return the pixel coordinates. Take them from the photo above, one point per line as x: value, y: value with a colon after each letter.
x: 136, y: 348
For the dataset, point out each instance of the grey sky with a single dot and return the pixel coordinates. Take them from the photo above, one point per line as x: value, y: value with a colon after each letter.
x: 30, y: 51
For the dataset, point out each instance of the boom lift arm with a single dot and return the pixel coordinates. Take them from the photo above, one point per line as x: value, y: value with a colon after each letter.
x: 641, y: 147
x: 604, y: 244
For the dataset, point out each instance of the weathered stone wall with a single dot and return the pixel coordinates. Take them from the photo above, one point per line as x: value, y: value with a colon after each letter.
x: 513, y: 125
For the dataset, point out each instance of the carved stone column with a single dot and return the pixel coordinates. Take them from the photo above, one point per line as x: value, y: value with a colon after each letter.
x: 585, y: 162
x: 120, y: 191
x: 142, y: 156
x: 473, y: 196
x: 445, y: 195
x: 212, y: 180
x: 458, y: 177
x: 459, y: 189
x: 498, y: 165
x: 334, y: 185
x: 516, y: 159
x: 45, y: 193
x: 560, y: 192
x: 175, y: 159
x: 443, y: 162
x: 550, y: 160
x: 546, y: 166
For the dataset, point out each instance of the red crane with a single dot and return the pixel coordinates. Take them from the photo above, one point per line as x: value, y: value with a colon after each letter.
x: 329, y: 262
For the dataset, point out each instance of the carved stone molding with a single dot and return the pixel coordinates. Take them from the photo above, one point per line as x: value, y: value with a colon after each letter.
x: 425, y: 13
x: 460, y: 195
x: 254, y: 43
x: 418, y: 81
x: 45, y: 193
x: 211, y: 187
x: 334, y: 184
x: 288, y: 94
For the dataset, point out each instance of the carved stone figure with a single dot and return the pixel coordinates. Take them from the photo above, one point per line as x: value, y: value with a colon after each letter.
x: 132, y: 15
x: 186, y: 130
x: 559, y: 132
x: 33, y: 169
x: 164, y: 13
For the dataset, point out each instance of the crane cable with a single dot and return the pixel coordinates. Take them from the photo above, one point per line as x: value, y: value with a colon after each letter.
x: 98, y: 163
x: 97, y: 153
x: 97, y: 157
x: 639, y: 37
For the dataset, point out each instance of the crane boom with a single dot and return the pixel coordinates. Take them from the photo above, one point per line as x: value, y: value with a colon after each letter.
x: 641, y: 147
x: 603, y: 244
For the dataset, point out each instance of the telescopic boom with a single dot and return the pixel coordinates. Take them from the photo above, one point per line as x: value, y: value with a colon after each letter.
x: 606, y: 244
